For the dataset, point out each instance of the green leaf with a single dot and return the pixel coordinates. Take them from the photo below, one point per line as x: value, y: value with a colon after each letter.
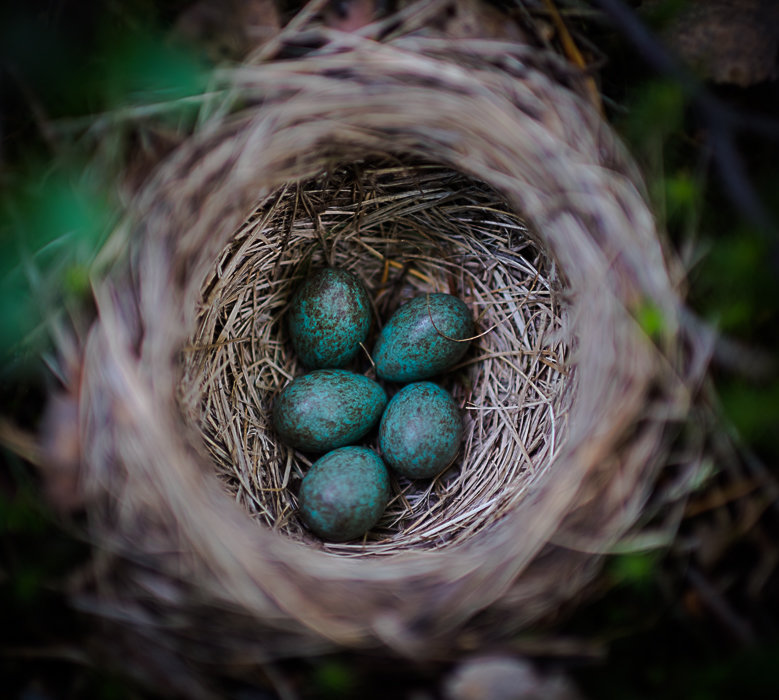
x: 21, y: 514
x: 736, y: 287
x: 334, y: 678
x: 633, y: 569
x: 656, y: 110
x: 753, y: 410
x: 54, y: 207
x: 52, y: 224
x: 682, y: 196
x: 142, y: 68
x: 651, y: 320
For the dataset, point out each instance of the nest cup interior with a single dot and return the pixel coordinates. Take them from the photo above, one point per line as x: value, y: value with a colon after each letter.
x: 404, y: 228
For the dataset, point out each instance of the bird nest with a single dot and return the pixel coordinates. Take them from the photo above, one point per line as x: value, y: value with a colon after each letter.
x: 478, y: 169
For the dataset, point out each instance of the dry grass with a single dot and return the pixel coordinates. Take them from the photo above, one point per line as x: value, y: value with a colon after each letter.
x: 403, y: 230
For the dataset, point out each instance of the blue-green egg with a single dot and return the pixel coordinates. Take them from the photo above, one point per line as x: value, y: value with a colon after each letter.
x: 424, y: 337
x: 420, y: 431
x: 327, y: 408
x: 344, y: 493
x: 329, y: 316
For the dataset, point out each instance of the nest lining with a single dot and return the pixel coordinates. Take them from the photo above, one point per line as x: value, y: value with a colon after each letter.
x: 404, y: 229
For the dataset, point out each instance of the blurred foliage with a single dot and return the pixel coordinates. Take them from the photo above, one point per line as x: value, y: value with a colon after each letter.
x: 653, y: 664
x: 636, y: 569
x: 651, y: 320
x: 53, y: 220
x: 733, y: 264
x: 334, y: 678
x: 59, y: 196
x: 661, y: 640
x: 59, y: 200
x: 142, y: 68
x: 661, y: 644
x: 753, y: 409
x: 36, y: 557
x: 655, y: 112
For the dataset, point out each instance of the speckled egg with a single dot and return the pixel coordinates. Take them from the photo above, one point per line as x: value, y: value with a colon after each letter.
x: 327, y: 408
x: 424, y: 337
x: 420, y: 431
x: 329, y: 316
x: 344, y: 493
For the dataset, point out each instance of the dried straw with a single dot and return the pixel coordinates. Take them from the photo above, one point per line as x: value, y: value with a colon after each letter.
x: 404, y: 230
x: 479, y: 169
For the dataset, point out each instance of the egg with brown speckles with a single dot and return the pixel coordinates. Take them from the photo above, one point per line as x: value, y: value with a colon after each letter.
x: 344, y: 493
x: 327, y: 408
x: 424, y: 337
x: 420, y: 431
x: 329, y: 317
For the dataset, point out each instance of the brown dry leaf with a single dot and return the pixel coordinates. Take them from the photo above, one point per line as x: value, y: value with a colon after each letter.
x: 728, y: 41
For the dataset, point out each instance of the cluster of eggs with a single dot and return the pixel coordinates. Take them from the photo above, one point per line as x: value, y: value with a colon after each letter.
x: 328, y: 409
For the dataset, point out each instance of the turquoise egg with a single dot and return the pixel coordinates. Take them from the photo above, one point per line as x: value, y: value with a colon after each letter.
x: 329, y: 316
x: 424, y: 337
x: 327, y: 408
x: 420, y: 431
x: 344, y: 493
